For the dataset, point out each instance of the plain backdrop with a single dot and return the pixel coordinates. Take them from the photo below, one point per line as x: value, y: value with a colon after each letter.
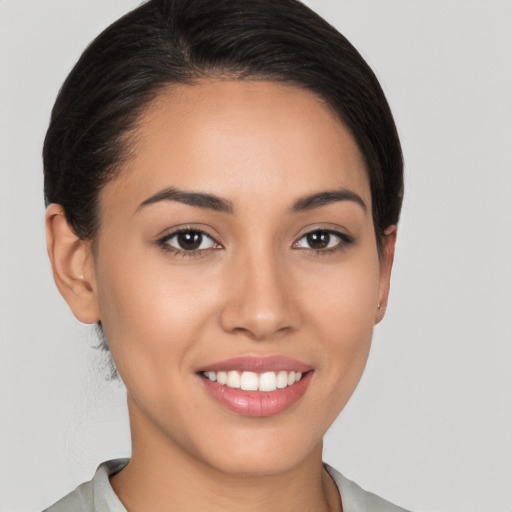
x: 430, y: 426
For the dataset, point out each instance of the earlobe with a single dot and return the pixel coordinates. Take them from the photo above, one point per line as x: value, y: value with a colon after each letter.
x: 72, y: 265
x: 386, y: 265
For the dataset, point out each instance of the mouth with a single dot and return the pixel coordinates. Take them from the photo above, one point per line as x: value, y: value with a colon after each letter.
x: 252, y: 381
x: 257, y: 387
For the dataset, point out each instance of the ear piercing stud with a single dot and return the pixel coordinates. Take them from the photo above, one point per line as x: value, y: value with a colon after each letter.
x: 378, y: 307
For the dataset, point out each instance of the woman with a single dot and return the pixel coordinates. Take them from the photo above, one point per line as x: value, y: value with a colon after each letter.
x: 224, y: 182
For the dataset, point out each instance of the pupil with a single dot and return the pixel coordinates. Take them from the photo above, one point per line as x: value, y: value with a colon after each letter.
x: 318, y: 239
x: 190, y: 240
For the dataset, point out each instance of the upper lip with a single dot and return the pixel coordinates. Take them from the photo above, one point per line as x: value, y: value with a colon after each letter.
x: 257, y: 364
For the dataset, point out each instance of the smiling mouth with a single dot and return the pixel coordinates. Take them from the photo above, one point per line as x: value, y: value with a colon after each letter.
x: 256, y: 386
x: 252, y: 381
x: 255, y: 401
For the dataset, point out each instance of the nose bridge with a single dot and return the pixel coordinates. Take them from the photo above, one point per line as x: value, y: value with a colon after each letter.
x: 259, y: 302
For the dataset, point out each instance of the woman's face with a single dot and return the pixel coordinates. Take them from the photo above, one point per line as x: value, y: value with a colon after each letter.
x: 237, y: 243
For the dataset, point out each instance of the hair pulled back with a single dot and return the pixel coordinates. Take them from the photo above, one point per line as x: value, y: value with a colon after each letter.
x: 165, y: 42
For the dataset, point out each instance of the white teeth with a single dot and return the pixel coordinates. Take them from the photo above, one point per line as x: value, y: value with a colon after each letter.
x: 267, y: 381
x: 233, y: 380
x: 251, y: 381
x: 282, y: 380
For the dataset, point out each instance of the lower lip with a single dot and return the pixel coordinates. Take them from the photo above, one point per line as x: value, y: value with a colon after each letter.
x: 258, y: 404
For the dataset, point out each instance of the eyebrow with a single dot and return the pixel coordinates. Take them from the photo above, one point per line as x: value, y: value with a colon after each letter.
x: 328, y: 197
x: 191, y: 198
x: 218, y: 204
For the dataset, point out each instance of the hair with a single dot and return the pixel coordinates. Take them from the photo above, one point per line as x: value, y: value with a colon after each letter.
x: 166, y: 42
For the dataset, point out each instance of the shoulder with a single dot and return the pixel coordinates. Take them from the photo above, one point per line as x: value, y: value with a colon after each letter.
x: 355, y: 499
x: 80, y: 500
x: 95, y: 495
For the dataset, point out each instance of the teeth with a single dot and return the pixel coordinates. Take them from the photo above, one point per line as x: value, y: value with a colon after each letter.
x: 251, y: 381
x: 282, y: 380
x: 233, y: 380
x: 267, y: 381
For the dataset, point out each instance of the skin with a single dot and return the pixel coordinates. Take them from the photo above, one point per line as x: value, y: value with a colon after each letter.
x: 260, y: 289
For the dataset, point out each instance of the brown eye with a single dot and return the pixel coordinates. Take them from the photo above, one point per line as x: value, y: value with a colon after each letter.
x: 318, y: 239
x: 323, y: 240
x: 189, y: 241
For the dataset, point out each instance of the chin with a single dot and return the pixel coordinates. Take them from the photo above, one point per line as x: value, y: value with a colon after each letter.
x: 263, y: 453
x: 257, y: 464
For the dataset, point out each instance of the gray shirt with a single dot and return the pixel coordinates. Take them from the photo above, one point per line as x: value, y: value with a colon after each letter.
x: 98, y: 495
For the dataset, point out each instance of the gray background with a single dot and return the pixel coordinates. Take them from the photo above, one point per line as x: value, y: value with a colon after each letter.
x: 430, y: 426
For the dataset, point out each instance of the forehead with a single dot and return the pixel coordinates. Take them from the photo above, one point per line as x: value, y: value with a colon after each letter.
x: 240, y: 138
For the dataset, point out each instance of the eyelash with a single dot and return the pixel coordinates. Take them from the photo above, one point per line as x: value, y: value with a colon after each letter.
x: 345, y: 240
x: 163, y: 243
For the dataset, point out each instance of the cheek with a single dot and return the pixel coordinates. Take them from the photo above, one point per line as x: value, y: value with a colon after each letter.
x: 342, y: 313
x: 151, y: 313
x: 342, y: 299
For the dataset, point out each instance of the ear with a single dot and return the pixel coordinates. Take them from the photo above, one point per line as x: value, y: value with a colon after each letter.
x: 386, y: 264
x: 72, y: 265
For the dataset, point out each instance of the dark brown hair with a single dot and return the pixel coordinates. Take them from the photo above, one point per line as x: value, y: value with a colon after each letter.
x: 166, y: 42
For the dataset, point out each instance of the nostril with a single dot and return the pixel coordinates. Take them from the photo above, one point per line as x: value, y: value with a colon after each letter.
x: 262, y: 332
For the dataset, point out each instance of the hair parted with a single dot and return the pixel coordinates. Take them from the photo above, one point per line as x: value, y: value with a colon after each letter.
x: 165, y: 42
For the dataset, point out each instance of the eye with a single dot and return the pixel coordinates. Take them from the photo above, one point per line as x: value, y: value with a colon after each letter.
x: 322, y: 240
x: 188, y: 240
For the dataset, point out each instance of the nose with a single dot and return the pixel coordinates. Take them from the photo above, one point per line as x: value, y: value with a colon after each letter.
x: 260, y: 302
